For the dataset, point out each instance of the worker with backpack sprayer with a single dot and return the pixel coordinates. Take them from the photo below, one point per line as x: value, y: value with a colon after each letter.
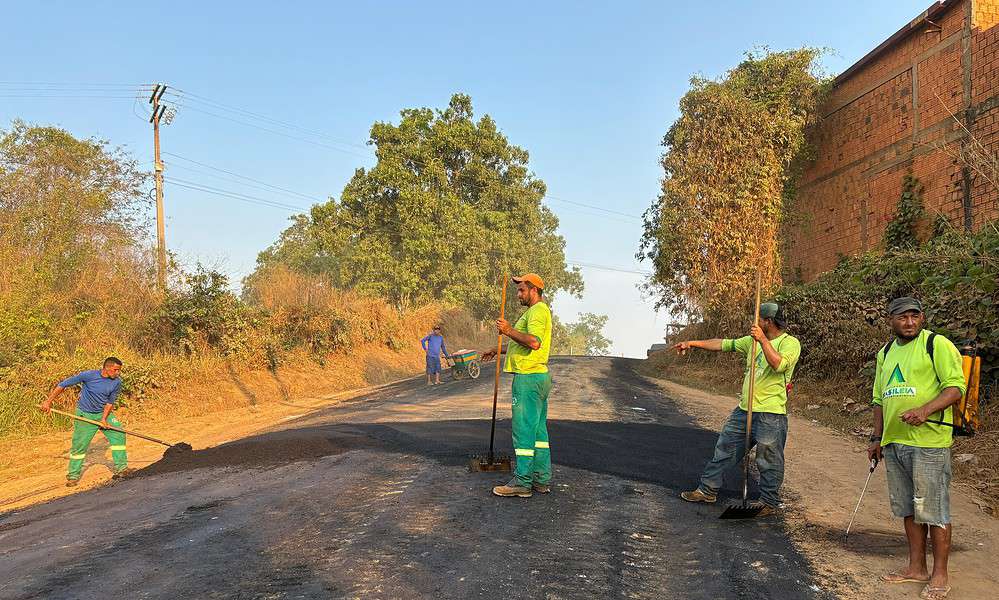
x: 919, y: 404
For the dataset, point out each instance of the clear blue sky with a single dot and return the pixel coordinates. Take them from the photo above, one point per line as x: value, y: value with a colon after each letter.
x: 587, y: 88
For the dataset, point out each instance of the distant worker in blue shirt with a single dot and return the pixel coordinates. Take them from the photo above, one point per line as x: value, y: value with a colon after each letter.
x: 433, y: 344
x: 98, y: 394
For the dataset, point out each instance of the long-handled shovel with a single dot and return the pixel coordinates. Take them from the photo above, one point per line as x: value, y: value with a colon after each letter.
x: 491, y: 462
x: 744, y: 510
x: 180, y: 447
x: 874, y: 464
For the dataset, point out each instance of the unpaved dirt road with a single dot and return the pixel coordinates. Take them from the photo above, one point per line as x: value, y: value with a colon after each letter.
x: 372, y: 499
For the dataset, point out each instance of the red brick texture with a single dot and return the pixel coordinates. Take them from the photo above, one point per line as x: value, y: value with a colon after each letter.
x: 901, y: 112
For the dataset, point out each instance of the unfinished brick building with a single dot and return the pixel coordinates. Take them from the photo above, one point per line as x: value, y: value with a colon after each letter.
x: 895, y: 112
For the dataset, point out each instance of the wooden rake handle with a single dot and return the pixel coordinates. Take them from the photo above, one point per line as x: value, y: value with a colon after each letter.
x: 499, y: 354
x: 98, y: 423
x: 752, y: 390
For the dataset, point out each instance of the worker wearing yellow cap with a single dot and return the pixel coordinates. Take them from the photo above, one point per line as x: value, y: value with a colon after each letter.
x: 527, y: 358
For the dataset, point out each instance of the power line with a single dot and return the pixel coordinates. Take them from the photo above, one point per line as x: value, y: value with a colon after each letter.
x: 312, y: 198
x: 600, y: 208
x: 4, y: 88
x: 193, y: 185
x: 60, y: 90
x: 264, y: 202
x: 67, y: 96
x: 581, y: 211
x: 186, y: 97
x: 274, y: 131
x: 215, y: 105
x: 588, y: 265
x: 234, y: 174
x: 77, y: 84
x: 228, y: 107
x: 205, y: 173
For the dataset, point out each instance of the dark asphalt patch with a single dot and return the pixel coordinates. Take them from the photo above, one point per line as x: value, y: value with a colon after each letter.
x: 661, y: 454
x: 275, y: 448
x: 671, y: 455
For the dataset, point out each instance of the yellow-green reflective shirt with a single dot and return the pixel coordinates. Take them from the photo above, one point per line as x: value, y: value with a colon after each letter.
x: 906, y: 379
x: 536, y: 321
x: 770, y: 391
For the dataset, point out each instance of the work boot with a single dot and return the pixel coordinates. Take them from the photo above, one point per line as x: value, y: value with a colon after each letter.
x: 699, y: 496
x: 126, y: 472
x: 512, y: 489
x: 541, y: 488
x: 766, y: 510
x: 72, y: 482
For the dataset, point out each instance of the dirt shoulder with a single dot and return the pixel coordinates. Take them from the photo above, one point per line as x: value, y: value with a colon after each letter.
x: 824, y: 476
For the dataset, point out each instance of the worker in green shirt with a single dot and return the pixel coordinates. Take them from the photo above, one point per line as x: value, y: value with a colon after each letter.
x: 777, y: 354
x: 527, y: 358
x: 919, y: 378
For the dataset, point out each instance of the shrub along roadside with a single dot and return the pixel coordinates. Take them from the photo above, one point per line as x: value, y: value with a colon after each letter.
x: 840, y: 316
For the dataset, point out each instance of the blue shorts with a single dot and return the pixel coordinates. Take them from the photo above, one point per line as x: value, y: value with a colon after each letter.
x: 433, y: 365
x: 919, y: 483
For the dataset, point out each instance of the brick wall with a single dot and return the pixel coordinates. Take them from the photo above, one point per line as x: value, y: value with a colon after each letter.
x: 892, y: 114
x: 985, y: 14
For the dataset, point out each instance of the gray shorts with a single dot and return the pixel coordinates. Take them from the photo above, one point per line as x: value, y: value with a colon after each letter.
x: 919, y: 483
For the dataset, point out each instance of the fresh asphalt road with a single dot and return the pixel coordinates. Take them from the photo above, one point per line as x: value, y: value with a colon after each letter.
x: 371, y: 498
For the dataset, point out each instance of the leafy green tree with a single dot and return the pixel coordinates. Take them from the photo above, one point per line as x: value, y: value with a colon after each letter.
x: 584, y: 336
x: 65, y: 201
x: 730, y: 169
x: 449, y: 207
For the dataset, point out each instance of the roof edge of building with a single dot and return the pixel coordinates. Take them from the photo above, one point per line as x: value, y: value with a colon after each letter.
x: 935, y: 9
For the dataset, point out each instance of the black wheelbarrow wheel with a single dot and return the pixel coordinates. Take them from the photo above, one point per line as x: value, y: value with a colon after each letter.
x: 474, y: 370
x: 458, y: 372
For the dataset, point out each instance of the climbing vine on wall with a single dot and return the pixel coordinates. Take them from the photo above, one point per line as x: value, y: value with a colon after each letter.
x: 901, y: 232
x: 730, y: 166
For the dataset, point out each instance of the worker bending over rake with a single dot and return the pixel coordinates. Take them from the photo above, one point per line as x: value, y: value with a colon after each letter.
x: 527, y: 358
x: 98, y: 394
x: 775, y: 361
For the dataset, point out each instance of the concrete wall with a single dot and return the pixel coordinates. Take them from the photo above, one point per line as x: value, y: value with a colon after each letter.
x: 893, y: 115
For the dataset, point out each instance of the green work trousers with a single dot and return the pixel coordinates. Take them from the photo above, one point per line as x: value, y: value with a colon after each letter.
x: 530, y: 428
x: 83, y: 433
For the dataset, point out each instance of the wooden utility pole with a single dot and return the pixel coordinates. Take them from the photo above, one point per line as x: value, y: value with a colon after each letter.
x: 158, y: 110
